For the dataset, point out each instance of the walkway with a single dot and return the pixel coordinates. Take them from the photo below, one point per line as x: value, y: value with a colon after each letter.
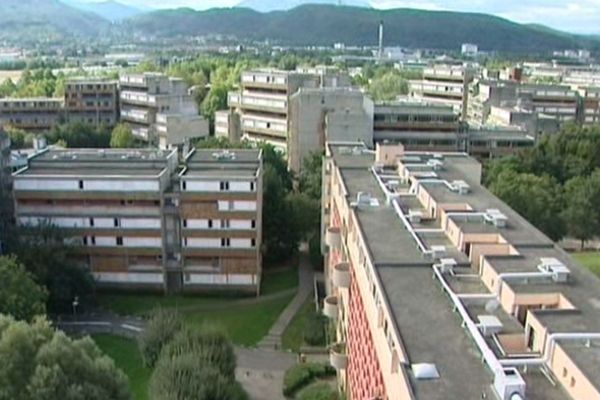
x: 272, y: 341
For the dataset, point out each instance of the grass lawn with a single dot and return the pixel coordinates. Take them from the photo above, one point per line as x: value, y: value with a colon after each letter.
x: 247, y: 324
x: 293, y: 336
x: 279, y: 280
x: 590, y: 260
x: 127, y: 357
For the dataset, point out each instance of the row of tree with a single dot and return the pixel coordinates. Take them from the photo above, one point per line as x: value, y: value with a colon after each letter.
x: 194, y: 364
x: 556, y: 184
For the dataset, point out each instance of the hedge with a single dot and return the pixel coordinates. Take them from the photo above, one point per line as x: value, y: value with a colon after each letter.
x: 301, y: 375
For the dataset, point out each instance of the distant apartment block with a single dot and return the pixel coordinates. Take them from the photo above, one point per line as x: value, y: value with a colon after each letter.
x: 438, y: 290
x: 31, y: 114
x: 92, y: 101
x: 139, y: 222
x: 227, y: 125
x: 263, y: 100
x: 590, y: 111
x: 6, y: 209
x: 144, y: 96
x: 445, y: 84
x: 319, y: 115
x: 175, y: 130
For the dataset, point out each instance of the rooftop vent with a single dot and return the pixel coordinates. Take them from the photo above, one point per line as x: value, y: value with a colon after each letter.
x: 509, y: 385
x: 364, y: 199
x: 415, y: 216
x: 489, y: 325
x: 447, y: 265
x: 224, y: 155
x: 460, y: 187
x: 425, y: 371
x: 560, y: 272
x: 435, y: 163
x: 393, y: 184
x: 496, y: 217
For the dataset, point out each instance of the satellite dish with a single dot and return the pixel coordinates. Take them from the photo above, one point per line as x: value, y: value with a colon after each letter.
x: 492, y: 305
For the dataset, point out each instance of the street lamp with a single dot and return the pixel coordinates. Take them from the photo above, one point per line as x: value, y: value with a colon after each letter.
x: 75, y: 304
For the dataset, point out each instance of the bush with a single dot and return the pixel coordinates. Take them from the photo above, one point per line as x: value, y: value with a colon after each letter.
x: 161, y: 328
x: 208, y: 344
x: 314, y: 252
x: 301, y: 375
x: 187, y: 377
x: 318, y: 391
x: 314, y: 331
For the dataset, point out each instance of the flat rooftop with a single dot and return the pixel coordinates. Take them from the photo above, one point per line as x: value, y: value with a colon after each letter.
x: 222, y: 163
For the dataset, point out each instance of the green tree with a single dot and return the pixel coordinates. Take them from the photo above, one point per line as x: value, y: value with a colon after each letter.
x: 20, y: 296
x: 160, y: 330
x: 122, y: 137
x: 538, y: 199
x: 215, y: 100
x: 39, y: 362
x: 43, y: 252
x: 80, y: 135
x: 388, y: 86
x: 187, y: 377
x: 580, y: 213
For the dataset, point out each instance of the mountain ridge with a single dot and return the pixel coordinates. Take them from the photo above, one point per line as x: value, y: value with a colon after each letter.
x: 110, y: 10
x: 327, y: 24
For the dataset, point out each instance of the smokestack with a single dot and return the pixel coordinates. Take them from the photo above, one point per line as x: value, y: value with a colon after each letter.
x: 381, y: 39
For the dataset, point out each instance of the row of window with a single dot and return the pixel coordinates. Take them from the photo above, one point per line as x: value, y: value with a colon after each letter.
x: 216, y: 224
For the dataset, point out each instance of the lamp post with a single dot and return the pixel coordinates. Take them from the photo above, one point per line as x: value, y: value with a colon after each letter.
x: 75, y: 304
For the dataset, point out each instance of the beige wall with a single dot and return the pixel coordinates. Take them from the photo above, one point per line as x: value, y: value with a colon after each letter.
x: 571, y: 377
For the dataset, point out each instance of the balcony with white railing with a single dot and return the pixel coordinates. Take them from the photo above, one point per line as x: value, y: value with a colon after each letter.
x: 135, y: 115
x: 341, y: 275
x: 338, y: 356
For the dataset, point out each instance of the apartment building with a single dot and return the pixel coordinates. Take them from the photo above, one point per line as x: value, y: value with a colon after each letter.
x: 31, y: 114
x: 445, y: 84
x: 263, y: 100
x: 590, y: 111
x: 175, y: 130
x: 92, y: 101
x: 143, y: 96
x: 136, y: 221
x: 439, y: 290
x: 6, y: 209
x: 319, y: 115
x: 227, y: 125
x: 220, y: 209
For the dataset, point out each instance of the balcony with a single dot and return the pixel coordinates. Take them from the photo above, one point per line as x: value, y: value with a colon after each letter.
x: 337, y: 356
x: 341, y: 275
x: 333, y: 238
x: 330, y: 307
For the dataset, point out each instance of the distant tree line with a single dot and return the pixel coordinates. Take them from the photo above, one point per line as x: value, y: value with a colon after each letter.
x: 556, y: 184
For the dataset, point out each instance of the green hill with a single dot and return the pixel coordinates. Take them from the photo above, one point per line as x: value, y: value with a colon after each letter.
x: 326, y: 24
x: 46, y: 21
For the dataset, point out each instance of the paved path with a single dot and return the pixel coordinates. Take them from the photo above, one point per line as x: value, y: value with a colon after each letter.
x: 305, y: 287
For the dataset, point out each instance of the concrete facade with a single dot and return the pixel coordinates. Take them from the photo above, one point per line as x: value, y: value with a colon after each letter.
x: 143, y: 96
x: 130, y: 214
x: 317, y: 116
x: 409, y: 238
x: 31, y: 114
x: 92, y: 101
x: 176, y: 129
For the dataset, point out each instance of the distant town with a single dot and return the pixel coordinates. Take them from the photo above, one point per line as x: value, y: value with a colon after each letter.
x: 221, y: 218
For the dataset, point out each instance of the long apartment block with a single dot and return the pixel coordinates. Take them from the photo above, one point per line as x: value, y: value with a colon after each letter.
x: 31, y: 114
x: 445, y: 84
x: 439, y: 290
x: 264, y: 98
x: 92, y: 101
x: 137, y: 221
x: 144, y: 96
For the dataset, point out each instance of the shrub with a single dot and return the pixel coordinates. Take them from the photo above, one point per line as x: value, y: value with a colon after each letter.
x: 187, y: 377
x: 318, y: 391
x: 208, y: 344
x: 314, y: 331
x: 161, y: 328
x: 314, y: 252
x: 301, y: 375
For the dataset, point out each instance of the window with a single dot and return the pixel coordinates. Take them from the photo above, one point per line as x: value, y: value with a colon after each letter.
x: 224, y: 186
x: 119, y: 241
x: 565, y: 372
x: 573, y: 382
x: 91, y: 221
x: 85, y: 242
x: 122, y: 202
x: 93, y: 240
x: 210, y: 223
x: 116, y: 222
x: 252, y: 186
x: 80, y: 185
x: 225, y: 242
x: 253, y: 224
x: 184, y: 185
x: 224, y: 224
x: 253, y: 243
x: 185, y: 223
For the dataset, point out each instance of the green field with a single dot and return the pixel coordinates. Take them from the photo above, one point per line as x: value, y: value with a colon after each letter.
x: 127, y: 357
x: 293, y: 336
x: 590, y: 260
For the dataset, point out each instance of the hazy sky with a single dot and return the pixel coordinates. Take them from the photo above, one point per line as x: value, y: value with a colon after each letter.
x: 571, y: 15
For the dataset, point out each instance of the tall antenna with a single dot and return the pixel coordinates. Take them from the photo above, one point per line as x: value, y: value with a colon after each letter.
x: 381, y: 39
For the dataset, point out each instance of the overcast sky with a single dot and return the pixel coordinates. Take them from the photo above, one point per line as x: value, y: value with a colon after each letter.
x: 571, y: 15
